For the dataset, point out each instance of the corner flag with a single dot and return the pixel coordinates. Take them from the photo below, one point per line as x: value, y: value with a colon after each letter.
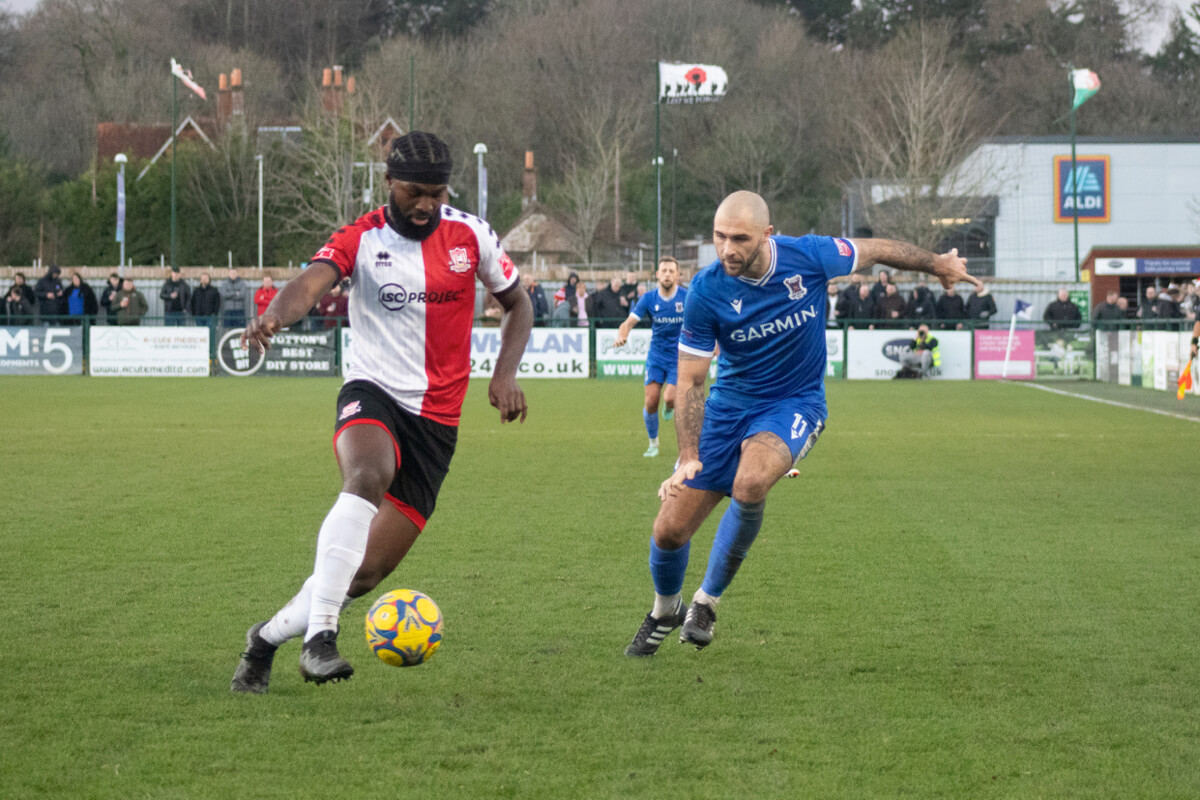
x: 1086, y: 84
x: 1185, y: 380
x: 1022, y: 310
x: 185, y: 75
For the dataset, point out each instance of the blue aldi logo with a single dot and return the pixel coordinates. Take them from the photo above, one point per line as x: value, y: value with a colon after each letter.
x: 1091, y: 182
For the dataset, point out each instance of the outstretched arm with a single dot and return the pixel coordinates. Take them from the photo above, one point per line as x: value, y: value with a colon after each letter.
x: 947, y: 267
x: 1195, y: 336
x: 623, y: 331
x: 504, y: 392
x: 291, y: 304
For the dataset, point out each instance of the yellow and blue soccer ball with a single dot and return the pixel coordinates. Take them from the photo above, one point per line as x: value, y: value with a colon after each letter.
x: 404, y: 628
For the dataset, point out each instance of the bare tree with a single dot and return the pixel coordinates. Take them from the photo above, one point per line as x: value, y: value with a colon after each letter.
x: 914, y: 120
x: 312, y: 183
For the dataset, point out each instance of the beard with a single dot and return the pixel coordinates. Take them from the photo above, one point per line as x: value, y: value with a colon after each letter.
x: 409, y: 229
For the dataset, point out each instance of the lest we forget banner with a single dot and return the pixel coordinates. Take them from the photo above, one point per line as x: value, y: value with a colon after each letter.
x: 41, y: 351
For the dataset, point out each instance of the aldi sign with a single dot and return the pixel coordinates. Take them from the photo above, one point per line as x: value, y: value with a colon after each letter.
x: 1091, y: 182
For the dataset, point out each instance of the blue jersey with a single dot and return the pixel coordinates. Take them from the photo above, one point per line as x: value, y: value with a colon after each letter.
x: 667, y: 316
x: 771, y: 330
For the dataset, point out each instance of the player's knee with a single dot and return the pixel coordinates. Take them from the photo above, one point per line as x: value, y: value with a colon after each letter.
x: 751, y: 488
x: 670, y: 535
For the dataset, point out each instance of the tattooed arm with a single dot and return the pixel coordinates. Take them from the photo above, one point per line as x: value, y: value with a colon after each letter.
x: 689, y: 419
x: 947, y: 267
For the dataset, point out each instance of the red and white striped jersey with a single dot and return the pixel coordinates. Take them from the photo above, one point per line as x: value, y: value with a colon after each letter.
x: 412, y: 305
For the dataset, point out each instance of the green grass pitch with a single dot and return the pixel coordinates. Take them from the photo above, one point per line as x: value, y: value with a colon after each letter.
x: 975, y: 590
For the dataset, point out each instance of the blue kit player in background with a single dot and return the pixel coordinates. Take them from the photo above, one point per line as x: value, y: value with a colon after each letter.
x: 663, y: 305
x: 763, y: 305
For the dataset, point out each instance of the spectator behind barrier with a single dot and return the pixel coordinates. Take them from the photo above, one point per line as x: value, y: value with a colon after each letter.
x: 111, y: 287
x: 80, y: 300
x: 981, y: 306
x: 951, y: 310
x: 17, y: 310
x: 1061, y: 313
x: 1108, y: 313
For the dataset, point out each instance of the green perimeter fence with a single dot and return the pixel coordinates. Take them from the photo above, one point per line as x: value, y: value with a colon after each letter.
x: 1128, y: 353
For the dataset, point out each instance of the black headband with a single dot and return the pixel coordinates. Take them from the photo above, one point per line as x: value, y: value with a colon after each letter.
x: 430, y: 174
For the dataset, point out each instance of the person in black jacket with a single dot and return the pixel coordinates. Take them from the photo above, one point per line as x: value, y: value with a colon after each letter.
x: 606, y: 308
x: 921, y: 303
x: 108, y: 295
x: 176, y: 295
x: 205, y: 302
x: 1106, y: 314
x: 981, y: 306
x: 1061, y: 313
x: 26, y: 290
x: 17, y: 310
x: 860, y: 310
x: 52, y: 303
x: 541, y: 309
x: 951, y: 310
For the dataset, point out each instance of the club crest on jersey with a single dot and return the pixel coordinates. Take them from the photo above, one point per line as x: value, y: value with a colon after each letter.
x: 460, y: 261
x: 350, y: 409
x: 383, y: 259
x: 679, y: 307
x: 795, y: 287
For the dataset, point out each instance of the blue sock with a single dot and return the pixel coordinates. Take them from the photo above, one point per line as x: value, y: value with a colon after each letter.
x: 736, y: 532
x: 651, y: 423
x: 667, y: 568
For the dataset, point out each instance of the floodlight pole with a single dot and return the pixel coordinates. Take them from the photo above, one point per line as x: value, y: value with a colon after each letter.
x: 481, y: 200
x: 259, y: 159
x: 120, y: 158
x: 174, y: 137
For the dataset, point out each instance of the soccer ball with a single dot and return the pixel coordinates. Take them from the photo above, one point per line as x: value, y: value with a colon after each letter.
x: 404, y: 628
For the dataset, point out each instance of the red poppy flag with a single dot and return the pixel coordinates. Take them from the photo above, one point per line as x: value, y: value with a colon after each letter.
x: 185, y: 75
x: 690, y: 83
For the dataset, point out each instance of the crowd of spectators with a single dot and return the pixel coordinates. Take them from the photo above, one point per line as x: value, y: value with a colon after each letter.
x: 607, y: 305
x: 120, y: 302
x: 882, y: 305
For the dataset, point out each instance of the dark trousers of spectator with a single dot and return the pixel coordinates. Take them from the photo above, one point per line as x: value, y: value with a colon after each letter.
x: 234, y: 319
x: 174, y: 318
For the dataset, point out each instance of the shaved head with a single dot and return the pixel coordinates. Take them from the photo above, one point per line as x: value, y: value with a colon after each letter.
x: 740, y: 230
x: 746, y: 207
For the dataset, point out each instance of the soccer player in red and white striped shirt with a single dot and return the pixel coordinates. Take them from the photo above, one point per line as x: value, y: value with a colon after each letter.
x: 412, y: 266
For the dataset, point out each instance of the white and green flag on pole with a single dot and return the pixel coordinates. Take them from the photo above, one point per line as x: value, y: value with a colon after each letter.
x: 1086, y: 84
x: 690, y: 83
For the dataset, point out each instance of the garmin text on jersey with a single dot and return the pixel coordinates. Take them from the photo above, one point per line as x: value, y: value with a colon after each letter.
x: 775, y: 326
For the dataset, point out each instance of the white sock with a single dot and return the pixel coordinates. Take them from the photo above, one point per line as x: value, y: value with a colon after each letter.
x: 340, y: 547
x: 702, y: 596
x: 664, y: 604
x: 654, y: 441
x: 291, y: 620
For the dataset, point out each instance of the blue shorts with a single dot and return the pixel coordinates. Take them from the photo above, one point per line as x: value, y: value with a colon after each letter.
x: 796, y: 421
x: 660, y: 370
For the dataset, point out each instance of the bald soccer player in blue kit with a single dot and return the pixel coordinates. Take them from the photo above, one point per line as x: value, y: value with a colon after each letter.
x: 762, y: 303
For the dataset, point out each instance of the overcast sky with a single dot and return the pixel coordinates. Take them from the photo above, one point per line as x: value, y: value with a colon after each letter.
x: 1155, y: 34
